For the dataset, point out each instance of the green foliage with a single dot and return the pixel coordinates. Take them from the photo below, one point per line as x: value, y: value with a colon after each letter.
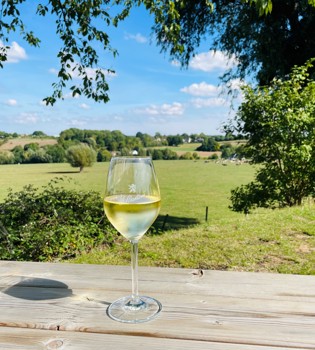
x: 279, y: 121
x: 39, y: 133
x: 79, y: 37
x: 209, y: 144
x: 214, y: 156
x: 51, y: 223
x: 186, y: 156
x: 103, y: 155
x: 81, y: 156
x: 266, y: 36
x: 175, y: 140
x: 227, y: 150
x: 56, y: 153
x: 165, y: 154
x: 6, y: 157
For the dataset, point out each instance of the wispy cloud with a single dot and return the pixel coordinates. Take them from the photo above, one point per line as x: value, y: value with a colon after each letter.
x: 212, y: 60
x: 84, y: 106
x: 11, y: 102
x: 174, y: 109
x: 77, y: 122
x: 27, y: 118
x: 15, y: 53
x: 139, y: 38
x: 201, y: 89
x: 208, y: 102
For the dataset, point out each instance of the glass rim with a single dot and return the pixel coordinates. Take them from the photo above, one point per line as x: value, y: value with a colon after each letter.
x: 131, y: 157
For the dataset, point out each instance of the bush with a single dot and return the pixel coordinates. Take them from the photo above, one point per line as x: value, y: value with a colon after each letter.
x: 6, y: 157
x: 51, y: 223
x: 186, y: 156
x: 81, y: 156
x: 279, y: 122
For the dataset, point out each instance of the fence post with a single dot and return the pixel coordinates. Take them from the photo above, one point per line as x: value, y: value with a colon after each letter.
x: 164, y: 222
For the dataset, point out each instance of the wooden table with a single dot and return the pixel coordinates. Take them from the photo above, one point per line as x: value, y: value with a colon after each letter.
x: 63, y: 306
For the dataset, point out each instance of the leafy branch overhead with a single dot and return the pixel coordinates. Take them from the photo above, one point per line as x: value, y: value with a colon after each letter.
x: 243, y: 28
x: 80, y: 25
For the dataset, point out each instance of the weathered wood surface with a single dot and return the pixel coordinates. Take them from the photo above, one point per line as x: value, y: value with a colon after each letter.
x: 63, y: 306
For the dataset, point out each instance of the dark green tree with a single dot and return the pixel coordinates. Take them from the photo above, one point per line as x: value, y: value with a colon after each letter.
x: 18, y: 153
x: 38, y: 133
x: 263, y: 45
x: 279, y: 121
x: 174, y: 140
x: 56, y: 152
x: 209, y: 144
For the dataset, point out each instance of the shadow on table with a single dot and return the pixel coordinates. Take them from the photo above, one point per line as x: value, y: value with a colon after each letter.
x: 38, y: 289
x: 167, y: 222
x: 64, y: 172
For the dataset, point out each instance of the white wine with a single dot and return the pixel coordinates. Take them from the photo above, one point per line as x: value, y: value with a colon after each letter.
x: 132, y: 214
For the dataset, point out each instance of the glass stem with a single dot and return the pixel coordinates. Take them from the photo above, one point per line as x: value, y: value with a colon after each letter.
x: 134, y: 272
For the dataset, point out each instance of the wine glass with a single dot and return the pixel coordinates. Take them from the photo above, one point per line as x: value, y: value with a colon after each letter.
x: 131, y: 204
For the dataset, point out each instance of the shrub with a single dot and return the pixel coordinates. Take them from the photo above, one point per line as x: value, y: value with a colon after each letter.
x: 186, y: 156
x: 6, y: 157
x: 279, y: 122
x: 81, y: 156
x: 51, y: 223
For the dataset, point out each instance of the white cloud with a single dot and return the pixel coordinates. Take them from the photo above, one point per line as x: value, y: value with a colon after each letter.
x: 15, y: 53
x: 53, y: 71
x: 84, y: 106
x: 212, y: 60
x: 139, y: 38
x: 208, y: 102
x: 27, y: 118
x: 201, y: 89
x: 235, y: 84
x: 77, y: 122
x: 11, y: 102
x: 173, y: 109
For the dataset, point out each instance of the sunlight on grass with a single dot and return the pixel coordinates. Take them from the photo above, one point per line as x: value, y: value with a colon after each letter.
x: 271, y: 241
x: 267, y: 240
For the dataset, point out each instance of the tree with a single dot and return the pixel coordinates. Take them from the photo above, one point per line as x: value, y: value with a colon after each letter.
x: 6, y: 157
x: 264, y: 46
x: 81, y: 156
x: 279, y: 121
x: 56, y: 152
x: 174, y: 140
x: 38, y: 133
x: 209, y: 144
x: 180, y: 25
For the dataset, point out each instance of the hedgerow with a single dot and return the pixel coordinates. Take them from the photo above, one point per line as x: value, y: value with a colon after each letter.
x: 49, y: 223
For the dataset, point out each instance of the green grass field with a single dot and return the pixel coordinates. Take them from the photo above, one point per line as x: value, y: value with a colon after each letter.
x: 267, y: 240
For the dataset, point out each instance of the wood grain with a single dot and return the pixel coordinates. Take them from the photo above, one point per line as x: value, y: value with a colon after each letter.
x: 42, y: 302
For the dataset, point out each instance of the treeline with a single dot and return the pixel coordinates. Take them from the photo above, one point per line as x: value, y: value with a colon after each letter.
x: 106, y: 143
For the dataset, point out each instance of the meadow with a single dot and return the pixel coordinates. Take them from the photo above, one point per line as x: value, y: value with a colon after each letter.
x: 267, y: 240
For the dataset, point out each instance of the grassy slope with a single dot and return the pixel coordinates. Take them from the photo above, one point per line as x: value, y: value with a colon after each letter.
x: 279, y: 240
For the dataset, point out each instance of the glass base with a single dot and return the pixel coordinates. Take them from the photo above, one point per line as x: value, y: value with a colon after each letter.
x: 128, y: 311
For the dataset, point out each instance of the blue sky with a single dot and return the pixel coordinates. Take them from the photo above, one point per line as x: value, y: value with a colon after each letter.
x: 148, y: 93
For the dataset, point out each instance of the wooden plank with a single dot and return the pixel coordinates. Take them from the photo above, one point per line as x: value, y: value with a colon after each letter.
x: 219, y: 307
x: 30, y: 339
